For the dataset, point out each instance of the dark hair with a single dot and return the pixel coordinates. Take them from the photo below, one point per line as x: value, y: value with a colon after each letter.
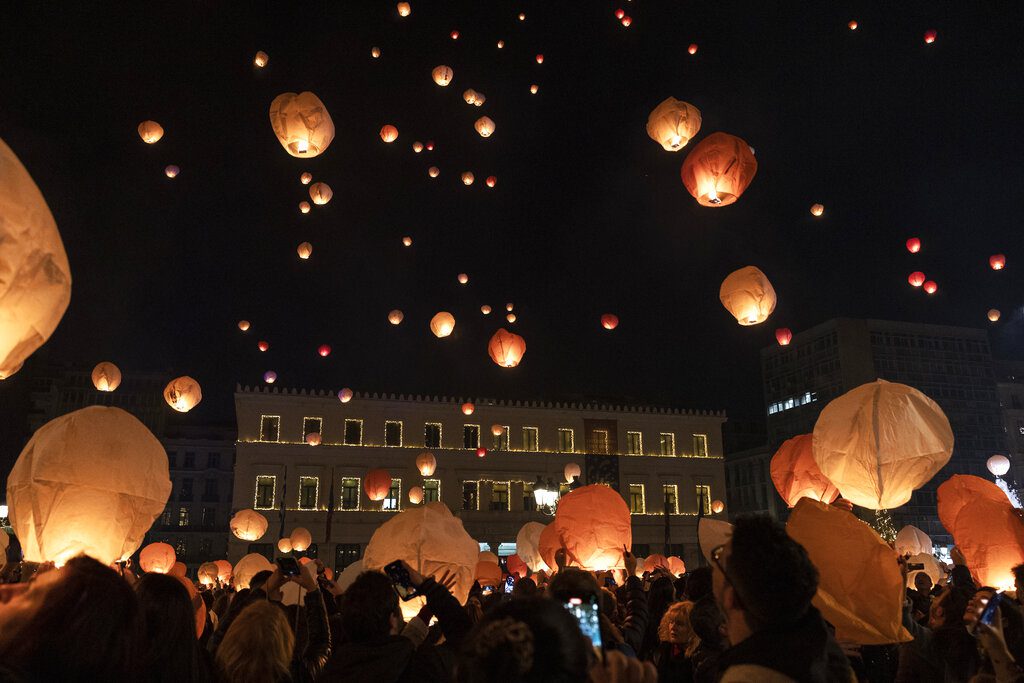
x: 661, y: 594
x: 525, y: 588
x: 698, y: 583
x: 367, y: 607
x: 525, y: 641
x: 170, y: 651
x: 1018, y: 573
x: 85, y: 629
x: 770, y: 572
x: 259, y: 578
x: 706, y: 619
x: 574, y: 583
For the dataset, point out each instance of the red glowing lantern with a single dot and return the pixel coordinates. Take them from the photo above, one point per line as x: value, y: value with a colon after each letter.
x: 997, y: 261
x: 913, y: 245
x: 345, y: 395
x: 931, y: 287
x: 852, y: 25
x: 377, y: 484
x: 468, y: 408
x: 516, y: 566
x: 692, y: 49
x: 718, y: 169
x: 492, y: 180
x: 389, y: 133
x: 930, y: 35
x: 783, y: 335
x: 455, y: 35
x: 430, y: 145
x: 916, y: 279
x: 626, y: 21
x: 262, y: 346
x: 324, y: 350
x: 481, y: 452
x: 619, y: 13
x: 609, y: 321
x: 796, y: 475
x: 506, y: 349
x: 540, y: 59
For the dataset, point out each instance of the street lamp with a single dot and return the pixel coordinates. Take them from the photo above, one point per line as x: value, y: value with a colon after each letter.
x: 546, y: 496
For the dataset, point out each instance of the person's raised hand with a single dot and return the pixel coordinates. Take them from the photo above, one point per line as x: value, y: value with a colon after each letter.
x: 274, y: 581
x: 629, y: 559
x: 448, y: 579
x: 305, y: 580
x: 957, y: 557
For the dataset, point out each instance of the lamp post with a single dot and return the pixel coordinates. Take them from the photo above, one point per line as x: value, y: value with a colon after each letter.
x: 546, y: 496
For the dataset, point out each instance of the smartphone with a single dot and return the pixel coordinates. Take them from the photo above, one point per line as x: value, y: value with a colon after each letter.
x: 609, y: 583
x: 401, y: 580
x: 510, y: 583
x: 915, y: 566
x: 588, y: 616
x: 988, y: 614
x: 289, y: 566
x: 487, y: 590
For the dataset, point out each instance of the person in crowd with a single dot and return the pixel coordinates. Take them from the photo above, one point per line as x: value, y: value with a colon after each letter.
x: 76, y: 623
x: 763, y: 583
x: 708, y: 624
x: 170, y: 651
x: 920, y: 597
x: 660, y: 595
x: 1001, y: 638
x: 1018, y: 583
x: 678, y: 642
x: 698, y: 584
x: 524, y: 588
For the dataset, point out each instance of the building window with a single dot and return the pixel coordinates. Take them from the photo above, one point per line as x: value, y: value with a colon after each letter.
x: 599, y: 440
x: 671, y: 502
x: 172, y: 459
x: 394, y: 499
x: 501, y: 440
x: 353, y: 432
x: 210, y: 491
x: 206, y: 547
x: 186, y: 489
x: 392, y: 433
x: 499, y: 496
x: 634, y: 443
x: 309, y: 492
x: 350, y: 493
x: 529, y: 501
x: 312, y: 425
x: 345, y: 554
x: 432, y: 435
x: 209, y: 516
x: 471, y: 436
x: 181, y: 548
x: 167, y: 518
x: 270, y: 428
x: 190, y: 461
x: 531, y: 435
x: 470, y: 495
x: 183, y: 516
x: 668, y: 444
x: 213, y: 461
x: 565, y: 440
x: 700, y: 445
x: 264, y: 549
x: 266, y: 492
x: 703, y: 499
x: 637, y: 505
x: 431, y: 490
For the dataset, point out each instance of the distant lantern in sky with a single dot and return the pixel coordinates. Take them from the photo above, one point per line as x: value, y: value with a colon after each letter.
x: 442, y: 75
x: 467, y: 178
x: 479, y: 100
x: 183, y: 394
x: 416, y: 495
x: 433, y: 171
x: 497, y: 430
x: 261, y: 59
x: 304, y: 207
x: 248, y: 525
x: 485, y: 309
x: 930, y: 35
x: 243, y: 325
x: 106, y: 376
x: 442, y: 324
x: 930, y: 287
x: 916, y: 279
x: 627, y: 21
x: 506, y: 348
x: 748, y: 295
x: 619, y: 13
x: 417, y: 147
x: 672, y: 123
x: 150, y: 132
x: 817, y: 209
x: 609, y: 321
x: 454, y: 35
x: 718, y: 169
x: 324, y: 350
x: 522, y: 16
x: 388, y: 133
x: 172, y: 171
x: 269, y: 376
x: 491, y: 181
x: 998, y: 465
x: 407, y: 241
x: 157, y: 558
x: 540, y: 59
x: 284, y: 545
x: 305, y: 250
x: 534, y: 89
x: 692, y: 49
x: 345, y: 395
x: 468, y: 408
x: 913, y: 245
x: 306, y: 178
x: 481, y: 452
x: 501, y: 44
x: 783, y: 335
x: 469, y: 95
x: 320, y: 193
x: 852, y: 25
x: 426, y: 463
x: 430, y: 145
x: 994, y: 314
x: 375, y: 52
x: 509, y: 306
x: 404, y: 9
x: 301, y: 123
x: 395, y: 317
x: 997, y: 261
x: 718, y: 507
x: 377, y: 484
x: 263, y: 346
x: 314, y: 439
x: 463, y: 278
x: 485, y: 126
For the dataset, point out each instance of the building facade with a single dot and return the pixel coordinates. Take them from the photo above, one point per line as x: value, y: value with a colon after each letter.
x: 748, y: 484
x: 1010, y: 383
x: 659, y: 460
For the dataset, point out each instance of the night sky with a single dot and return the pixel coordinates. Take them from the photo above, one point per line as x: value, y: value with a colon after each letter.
x: 895, y: 137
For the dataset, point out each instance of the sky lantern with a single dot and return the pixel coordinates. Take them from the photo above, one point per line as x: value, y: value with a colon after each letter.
x: 454, y: 35
x: 301, y: 123
x: 407, y: 241
x: 619, y: 13
x: 916, y: 279
x: 501, y: 44
x: 35, y: 278
x: 388, y: 133
x: 717, y: 507
x: 306, y: 178
x: 511, y: 318
x: 106, y: 376
x: 913, y: 245
x: 488, y: 573
x: 594, y: 524
x: 506, y: 348
x: 375, y: 52
x: 718, y: 169
x: 692, y: 49
x: 522, y: 16
x: 485, y: 309
x: 469, y: 95
x: 994, y: 314
x: 261, y: 59
x: 516, y: 567
x: 609, y: 321
x: 673, y: 123
x: 509, y: 307
x: 497, y: 430
x: 395, y: 317
x: 930, y: 35
x: 485, y: 126
x: 783, y: 335
x: 426, y: 463
x: 481, y: 452
x: 320, y: 193
x: 442, y: 75
x: 467, y: 178
x: 224, y: 570
x: 998, y: 465
x: 377, y: 484
x: 301, y: 539
x: 345, y: 395
x: 243, y: 325
x: 284, y: 545
x: 183, y: 394
x: 314, y: 439
x: 417, y: 147
x: 171, y: 171
x: 150, y: 132
x: 463, y: 278
x: 304, y: 207
x: 304, y: 250
x: 92, y: 481
x: 468, y: 408
x: 416, y: 495
x: 207, y: 573
x: 404, y: 9
x: 528, y: 545
x: 627, y: 21
x: 748, y: 295
x: 157, y: 558
x: 817, y: 209
x: 263, y: 346
x: 880, y: 442
x: 248, y: 567
x: 571, y: 471
x: 796, y: 475
x: 997, y: 261
x: 534, y: 89
x: 912, y: 541
x: 852, y: 25
x: 540, y: 59
x: 269, y: 376
x: 491, y: 180
x: 442, y: 324
x: 179, y: 569
x: 324, y: 350
x: 433, y: 171
x: 930, y: 287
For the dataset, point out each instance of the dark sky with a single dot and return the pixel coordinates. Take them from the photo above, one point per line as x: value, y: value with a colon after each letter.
x: 895, y: 137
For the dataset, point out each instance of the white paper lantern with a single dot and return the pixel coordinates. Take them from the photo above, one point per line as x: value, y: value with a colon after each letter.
x: 248, y: 525
x: 248, y: 567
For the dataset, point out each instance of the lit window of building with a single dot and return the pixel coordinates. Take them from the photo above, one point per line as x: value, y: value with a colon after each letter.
x: 183, y: 516
x: 471, y: 436
x: 312, y: 425
x: 599, y: 439
x: 431, y: 490
x: 700, y: 445
x: 499, y: 496
x: 181, y: 548
x: 266, y: 492
x: 704, y: 499
x: 353, y: 432
x: 394, y: 499
x: 392, y: 433
x: 637, y: 505
x: 470, y: 495
x: 529, y: 500
x: 634, y: 443
x: 668, y: 444
x: 309, y: 492
x: 531, y: 436
x: 270, y: 428
x: 432, y: 435
x: 566, y: 440
x: 501, y: 440
x: 350, y: 493
x: 671, y: 501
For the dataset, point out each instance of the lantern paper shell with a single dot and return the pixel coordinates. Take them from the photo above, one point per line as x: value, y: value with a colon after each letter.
x: 997, y: 261
x: 594, y: 523
x: 487, y: 556
x: 301, y: 123
x: 300, y: 538
x: 467, y: 178
x: 783, y: 335
x: 985, y: 527
x: 407, y: 241
x: 469, y: 96
x: 748, y: 295
x: 676, y: 566
x: 652, y: 562
x: 35, y: 278
x: 324, y: 350
x: 150, y: 132
x: 998, y: 465
x: 183, y: 394
x: 572, y: 470
x: 930, y: 35
x: 719, y: 169
x: 484, y: 126
x: 178, y: 569
x: 881, y: 441
x: 314, y: 439
x: 916, y: 279
x: 534, y: 89
x: 817, y: 209
x: 263, y: 346
x: 304, y: 207
x: 304, y: 250
x: 377, y: 484
x: 91, y: 481
x: 548, y: 545
x: 491, y: 181
x: 443, y: 75
x: 796, y: 475
x: 488, y: 574
x: 516, y: 566
x: 320, y: 193
x: 404, y: 9
x: 199, y: 607
x: 106, y: 376
x: 481, y: 452
x: 269, y: 376
x: 433, y: 171
x: 717, y: 507
x: 224, y: 570
x: 389, y: 133
x: 913, y: 245
x: 468, y: 408
x: 432, y: 541
x: 395, y: 317
x: 860, y: 587
x: 284, y: 545
x: 930, y: 287
x: 248, y: 525
x: 485, y: 309
x: 244, y: 325
x: 528, y: 546
x: 994, y: 314
x: 506, y: 348
x: 931, y: 568
x: 511, y: 318
x: 497, y: 430
x: 208, y: 573
x: 912, y: 541
x: 345, y: 395
x: 248, y: 567
x: 673, y: 123
x: 261, y: 59
x: 417, y: 147
x: 442, y: 324
x: 416, y: 495
x: 171, y: 171
x: 157, y: 558
x: 609, y: 321
x: 306, y: 178
x: 463, y: 278
x: 375, y: 52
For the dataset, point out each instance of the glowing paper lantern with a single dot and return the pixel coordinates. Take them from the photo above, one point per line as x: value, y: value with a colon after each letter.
x: 183, y: 394
x: 404, y: 9
x: 692, y: 49
x: 852, y: 25
x: 388, y: 133
x: 522, y: 16
x: 994, y: 314
x: 540, y: 59
x: 817, y: 209
x: 985, y: 527
x: 676, y: 566
x: 506, y: 348
x: 501, y: 44
x: 881, y: 441
x: 304, y: 207
x: 619, y: 13
x: 463, y: 278
x: 516, y: 567
x: 717, y: 507
x: 262, y: 345
x: 171, y: 171
x: 300, y: 538
x: 157, y: 558
x: 468, y: 408
x: 912, y: 541
x: 314, y: 439
x: 284, y: 545
x: 481, y: 452
x: 748, y: 295
x: 35, y: 279
x: 179, y: 569
x: 594, y: 524
x: 306, y: 178
x: 426, y: 463
x: 930, y: 35
x: 150, y: 132
x: 320, y: 193
x: 304, y: 250
x: 224, y: 570
x: 783, y: 335
x: 301, y: 123
x: 248, y: 525
x: 673, y: 123
x: 488, y: 574
x: 487, y: 556
x: 916, y: 279
x: 913, y: 245
x: 572, y: 470
x: 719, y: 169
x: 442, y: 75
x: 997, y: 261
x: 796, y: 475
x: 454, y: 35
x: 470, y: 96
x: 528, y: 546
x: 485, y: 309
x: 652, y: 562
x: 91, y: 481
x: 324, y: 350
x: 248, y: 567
x: 497, y: 430
x: 998, y: 465
x: 609, y: 321
x: 467, y: 178
x: 269, y: 376
x: 930, y: 287
x: 207, y: 573
x: 261, y: 59
x: 375, y: 52
x: 106, y: 376
x: 407, y: 241
x: 377, y: 484
x: 417, y: 147
x: 491, y: 181
x: 627, y: 21
x: 395, y: 317
x: 511, y: 317
x: 484, y: 126
x: 416, y: 495
x: 442, y: 324
x: 243, y: 325
x: 931, y: 568
x: 433, y: 171
x: 345, y: 395
x: 860, y: 587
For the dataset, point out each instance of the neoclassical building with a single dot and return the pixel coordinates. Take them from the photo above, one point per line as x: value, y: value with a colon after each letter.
x: 666, y: 463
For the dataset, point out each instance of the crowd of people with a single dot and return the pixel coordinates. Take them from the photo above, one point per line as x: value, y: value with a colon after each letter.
x: 747, y: 616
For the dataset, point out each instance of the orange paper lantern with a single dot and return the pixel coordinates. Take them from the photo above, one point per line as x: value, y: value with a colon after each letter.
x: 248, y: 525
x: 994, y: 314
x: 396, y: 317
x: 416, y: 495
x: 783, y: 335
x: 377, y: 484
x: 150, y: 132
x: 106, y: 376
x: 468, y: 408
x: 183, y: 394
x: 300, y: 538
x: 442, y: 324
x: 913, y: 245
x: 997, y: 261
x: 652, y: 562
x: 224, y: 570
x: 506, y: 348
x: 796, y: 475
x: 916, y: 279
x: 748, y: 295
x: 301, y: 123
x: 442, y: 75
x: 243, y: 325
x: 389, y: 133
x: 157, y: 558
x: 719, y: 169
x: 673, y: 123
x: 426, y: 463
x: 594, y: 523
x: 609, y: 321
x: 261, y: 59
x: 516, y: 566
x: 488, y: 574
x: 320, y: 193
x: 528, y: 545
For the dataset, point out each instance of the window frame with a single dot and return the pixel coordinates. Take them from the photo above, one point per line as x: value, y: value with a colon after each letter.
x: 502, y: 441
x: 572, y: 439
x: 319, y: 430
x: 401, y: 433
x: 358, y: 497
x: 476, y: 496
x: 535, y: 432
x: 396, y: 484
x: 640, y: 443
x: 671, y: 440
x: 344, y: 434
x: 508, y: 497
x: 699, y: 489
x: 467, y: 429
x: 674, y: 488
x: 425, y: 489
x: 606, y: 439
x: 316, y: 491
x: 273, y: 492
x: 440, y: 434
x: 643, y: 499
x: 277, y: 436
x: 698, y: 439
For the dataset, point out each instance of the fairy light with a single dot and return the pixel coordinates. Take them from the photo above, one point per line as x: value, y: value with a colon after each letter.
x: 273, y: 491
